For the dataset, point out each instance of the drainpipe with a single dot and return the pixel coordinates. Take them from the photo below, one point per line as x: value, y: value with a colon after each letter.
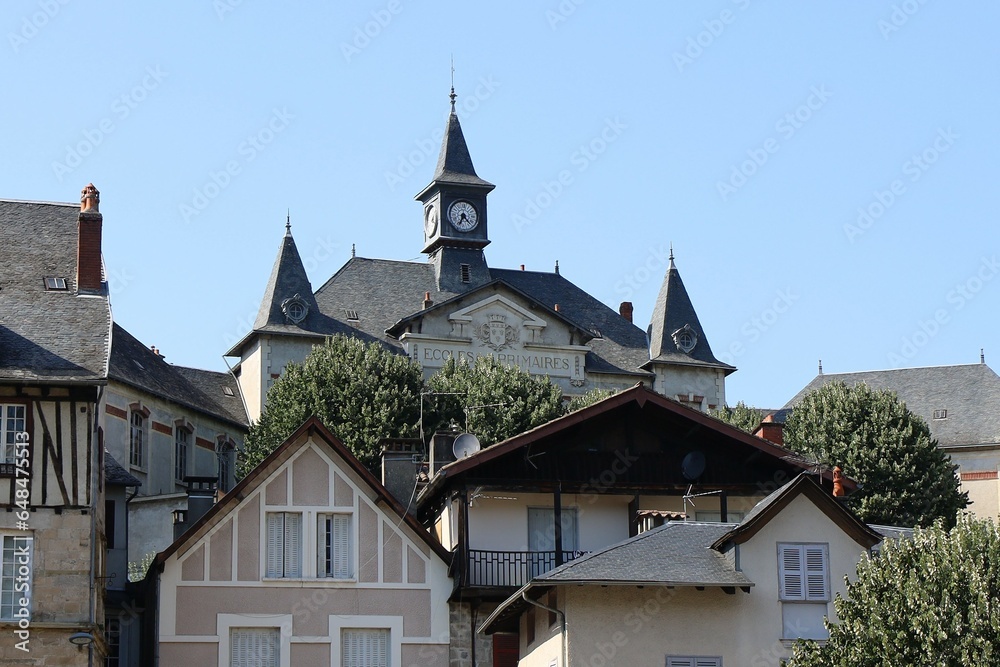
x: 95, y: 476
x: 562, y: 632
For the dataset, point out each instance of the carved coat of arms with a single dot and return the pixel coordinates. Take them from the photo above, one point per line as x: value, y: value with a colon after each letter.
x: 496, y: 334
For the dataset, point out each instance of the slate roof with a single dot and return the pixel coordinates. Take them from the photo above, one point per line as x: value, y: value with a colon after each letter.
x: 969, y: 392
x: 47, y: 336
x: 114, y: 473
x: 454, y: 161
x: 673, y: 311
x: 677, y: 553
x: 382, y: 292
x: 203, y: 391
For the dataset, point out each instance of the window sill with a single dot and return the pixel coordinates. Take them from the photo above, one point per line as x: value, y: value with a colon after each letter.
x: 310, y: 580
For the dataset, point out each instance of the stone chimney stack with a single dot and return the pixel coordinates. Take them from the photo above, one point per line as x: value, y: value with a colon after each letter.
x: 771, y: 431
x: 441, y: 449
x: 200, y: 499
x: 625, y: 310
x: 88, y: 259
x: 401, y: 461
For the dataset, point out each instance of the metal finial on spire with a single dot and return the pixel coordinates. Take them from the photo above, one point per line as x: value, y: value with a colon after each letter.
x: 671, y: 258
x: 352, y: 250
x: 453, y: 95
x: 288, y: 222
x: 982, y: 356
x: 820, y: 366
x: 557, y: 267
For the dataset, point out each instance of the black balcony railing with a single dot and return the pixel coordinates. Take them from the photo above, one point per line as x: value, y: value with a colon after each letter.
x: 511, y: 568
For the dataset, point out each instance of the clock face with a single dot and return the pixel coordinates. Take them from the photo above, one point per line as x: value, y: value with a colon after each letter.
x: 463, y: 216
x: 430, y: 220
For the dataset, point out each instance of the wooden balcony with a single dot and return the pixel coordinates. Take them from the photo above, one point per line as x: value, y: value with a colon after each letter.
x: 503, y: 569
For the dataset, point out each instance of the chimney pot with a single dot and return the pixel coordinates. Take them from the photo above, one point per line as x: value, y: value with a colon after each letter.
x: 427, y: 300
x: 522, y: 267
x: 557, y: 308
x: 90, y: 199
x: 838, y: 483
x: 625, y: 310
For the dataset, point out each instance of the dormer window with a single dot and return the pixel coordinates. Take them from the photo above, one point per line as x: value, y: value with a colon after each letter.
x: 940, y: 414
x: 295, y: 309
x: 55, y: 284
x: 685, y: 338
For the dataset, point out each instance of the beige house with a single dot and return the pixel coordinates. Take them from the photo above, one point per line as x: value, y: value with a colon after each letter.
x: 307, y: 561
x: 693, y: 594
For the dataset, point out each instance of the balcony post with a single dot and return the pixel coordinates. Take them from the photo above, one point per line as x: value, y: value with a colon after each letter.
x: 557, y: 519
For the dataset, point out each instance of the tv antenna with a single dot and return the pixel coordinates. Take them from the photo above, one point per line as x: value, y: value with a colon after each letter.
x: 689, y: 498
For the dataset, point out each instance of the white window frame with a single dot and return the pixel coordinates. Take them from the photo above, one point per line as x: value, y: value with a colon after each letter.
x: 285, y: 548
x: 394, y: 624
x: 10, y: 426
x: 342, y: 557
x: 799, y: 584
x: 15, y: 585
x: 226, y: 622
x: 254, y: 660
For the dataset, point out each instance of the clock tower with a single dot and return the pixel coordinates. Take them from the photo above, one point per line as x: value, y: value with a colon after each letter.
x: 454, y: 213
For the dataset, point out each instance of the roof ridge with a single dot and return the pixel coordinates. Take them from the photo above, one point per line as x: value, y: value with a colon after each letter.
x: 39, y: 201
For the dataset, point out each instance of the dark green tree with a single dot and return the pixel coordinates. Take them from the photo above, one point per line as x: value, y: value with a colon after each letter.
x: 589, y: 398
x: 361, y: 391
x: 490, y: 399
x: 905, y: 478
x: 741, y: 416
x: 931, y: 600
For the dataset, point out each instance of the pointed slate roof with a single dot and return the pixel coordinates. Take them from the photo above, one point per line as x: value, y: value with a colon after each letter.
x: 673, y: 313
x: 288, y: 278
x: 455, y: 163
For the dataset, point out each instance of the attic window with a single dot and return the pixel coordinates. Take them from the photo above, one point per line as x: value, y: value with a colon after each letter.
x: 228, y: 391
x: 295, y: 309
x: 685, y: 338
x: 940, y: 414
x: 352, y: 315
x: 466, y: 273
x: 54, y: 283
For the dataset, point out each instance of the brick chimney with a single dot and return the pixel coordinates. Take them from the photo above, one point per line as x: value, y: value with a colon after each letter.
x: 625, y: 310
x: 427, y: 300
x: 88, y: 257
x: 771, y: 430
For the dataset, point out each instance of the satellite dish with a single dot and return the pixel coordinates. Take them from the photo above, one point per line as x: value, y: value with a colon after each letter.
x: 693, y: 465
x: 465, y: 445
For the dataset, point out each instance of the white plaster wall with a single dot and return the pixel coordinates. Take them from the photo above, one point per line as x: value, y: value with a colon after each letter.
x: 496, y: 524
x: 673, y: 380
x: 150, y: 523
x: 251, y: 380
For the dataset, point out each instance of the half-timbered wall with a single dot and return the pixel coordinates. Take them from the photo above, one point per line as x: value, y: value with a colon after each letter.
x: 54, y: 496
x: 220, y: 581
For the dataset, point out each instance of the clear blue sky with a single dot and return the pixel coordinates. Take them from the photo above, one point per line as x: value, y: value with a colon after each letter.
x: 747, y: 133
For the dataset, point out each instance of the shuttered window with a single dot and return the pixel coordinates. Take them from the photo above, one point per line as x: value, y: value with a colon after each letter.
x: 137, y: 428
x: 692, y: 661
x: 254, y: 647
x: 804, y: 572
x: 364, y: 648
x: 284, y: 544
x: 334, y: 546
